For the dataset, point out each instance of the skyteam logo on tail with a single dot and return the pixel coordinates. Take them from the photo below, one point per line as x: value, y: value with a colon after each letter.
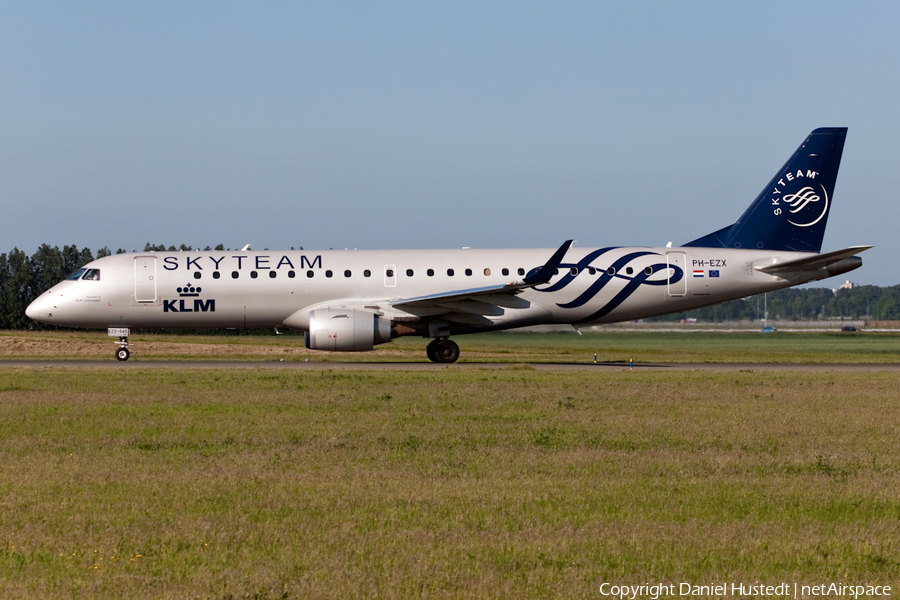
x: 807, y: 201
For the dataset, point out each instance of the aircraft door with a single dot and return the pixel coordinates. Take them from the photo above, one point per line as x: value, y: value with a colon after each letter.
x: 390, y: 275
x: 145, y: 278
x: 677, y: 273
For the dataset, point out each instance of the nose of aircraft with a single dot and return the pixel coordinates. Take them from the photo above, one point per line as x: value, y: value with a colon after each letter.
x: 40, y: 309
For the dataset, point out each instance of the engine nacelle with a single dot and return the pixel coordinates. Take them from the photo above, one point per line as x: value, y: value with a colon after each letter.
x: 346, y: 330
x: 844, y: 265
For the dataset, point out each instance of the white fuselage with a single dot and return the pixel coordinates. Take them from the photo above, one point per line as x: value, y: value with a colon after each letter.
x: 271, y: 289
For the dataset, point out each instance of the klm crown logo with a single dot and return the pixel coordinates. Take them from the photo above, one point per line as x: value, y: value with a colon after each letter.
x: 189, y: 291
x: 186, y: 306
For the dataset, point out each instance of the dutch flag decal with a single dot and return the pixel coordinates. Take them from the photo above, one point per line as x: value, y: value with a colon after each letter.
x: 698, y: 272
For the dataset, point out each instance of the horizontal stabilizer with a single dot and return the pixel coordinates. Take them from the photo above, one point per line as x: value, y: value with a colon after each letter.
x: 812, y: 263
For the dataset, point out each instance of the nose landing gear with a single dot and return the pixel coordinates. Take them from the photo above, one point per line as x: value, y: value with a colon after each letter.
x: 122, y: 352
x: 442, y: 350
x: 122, y: 333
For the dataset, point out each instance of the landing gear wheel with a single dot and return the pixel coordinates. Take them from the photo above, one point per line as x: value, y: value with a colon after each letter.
x: 122, y: 354
x: 429, y: 351
x: 443, y: 351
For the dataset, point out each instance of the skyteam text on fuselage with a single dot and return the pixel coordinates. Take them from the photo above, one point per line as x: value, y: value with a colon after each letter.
x: 354, y: 300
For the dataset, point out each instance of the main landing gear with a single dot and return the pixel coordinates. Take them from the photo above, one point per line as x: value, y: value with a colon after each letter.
x: 442, y: 350
x: 122, y: 352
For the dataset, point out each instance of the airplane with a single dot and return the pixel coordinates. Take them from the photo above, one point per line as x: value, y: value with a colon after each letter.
x: 351, y: 301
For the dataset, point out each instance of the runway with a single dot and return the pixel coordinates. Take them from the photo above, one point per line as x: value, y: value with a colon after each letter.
x: 427, y: 366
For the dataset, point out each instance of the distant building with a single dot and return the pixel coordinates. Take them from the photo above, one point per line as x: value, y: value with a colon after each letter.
x: 847, y: 285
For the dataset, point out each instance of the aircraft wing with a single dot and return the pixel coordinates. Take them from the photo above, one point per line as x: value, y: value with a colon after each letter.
x: 816, y: 262
x: 472, y: 305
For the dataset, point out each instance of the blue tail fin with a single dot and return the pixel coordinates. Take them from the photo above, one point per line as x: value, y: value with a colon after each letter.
x: 791, y: 212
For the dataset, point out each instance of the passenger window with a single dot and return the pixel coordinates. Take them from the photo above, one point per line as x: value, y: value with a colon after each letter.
x: 253, y: 274
x: 430, y: 272
x: 505, y: 272
x: 389, y: 273
x: 573, y: 271
x: 291, y: 274
x: 450, y: 272
x: 521, y: 271
x: 197, y: 275
x: 273, y: 274
x: 76, y: 275
x: 216, y: 274
x: 310, y: 274
x: 347, y: 273
x: 235, y: 274
x: 487, y: 272
x: 367, y: 273
x: 629, y: 270
x: 328, y: 273
x: 469, y: 272
x: 648, y: 270
x: 611, y: 271
x: 409, y: 272
x: 592, y: 270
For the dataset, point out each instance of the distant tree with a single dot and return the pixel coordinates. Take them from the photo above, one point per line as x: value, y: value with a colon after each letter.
x: 17, y: 290
x: 887, y: 307
x: 47, y: 268
x: 73, y: 258
x: 798, y: 308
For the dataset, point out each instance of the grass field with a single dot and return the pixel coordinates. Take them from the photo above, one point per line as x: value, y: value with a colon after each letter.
x: 482, y: 483
x: 613, y: 346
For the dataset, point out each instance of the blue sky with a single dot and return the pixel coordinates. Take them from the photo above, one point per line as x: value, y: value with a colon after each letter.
x: 437, y: 125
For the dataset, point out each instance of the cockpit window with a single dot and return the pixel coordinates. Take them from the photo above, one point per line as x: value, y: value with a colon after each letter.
x: 91, y: 275
x: 76, y: 275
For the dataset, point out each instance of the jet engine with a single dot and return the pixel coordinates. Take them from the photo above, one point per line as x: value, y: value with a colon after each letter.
x: 844, y: 265
x: 346, y: 330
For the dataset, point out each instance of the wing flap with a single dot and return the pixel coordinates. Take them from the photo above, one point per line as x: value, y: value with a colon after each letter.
x: 457, y: 295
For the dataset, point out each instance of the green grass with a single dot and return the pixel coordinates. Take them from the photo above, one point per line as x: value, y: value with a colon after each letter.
x: 646, y: 347
x: 441, y: 484
x: 613, y: 346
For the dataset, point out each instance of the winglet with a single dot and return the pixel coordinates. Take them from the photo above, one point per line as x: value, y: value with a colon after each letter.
x: 543, y: 274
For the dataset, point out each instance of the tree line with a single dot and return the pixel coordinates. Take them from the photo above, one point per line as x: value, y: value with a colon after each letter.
x: 23, y: 278
x: 804, y: 304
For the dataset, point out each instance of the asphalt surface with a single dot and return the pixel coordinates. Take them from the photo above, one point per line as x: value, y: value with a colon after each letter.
x: 423, y: 366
